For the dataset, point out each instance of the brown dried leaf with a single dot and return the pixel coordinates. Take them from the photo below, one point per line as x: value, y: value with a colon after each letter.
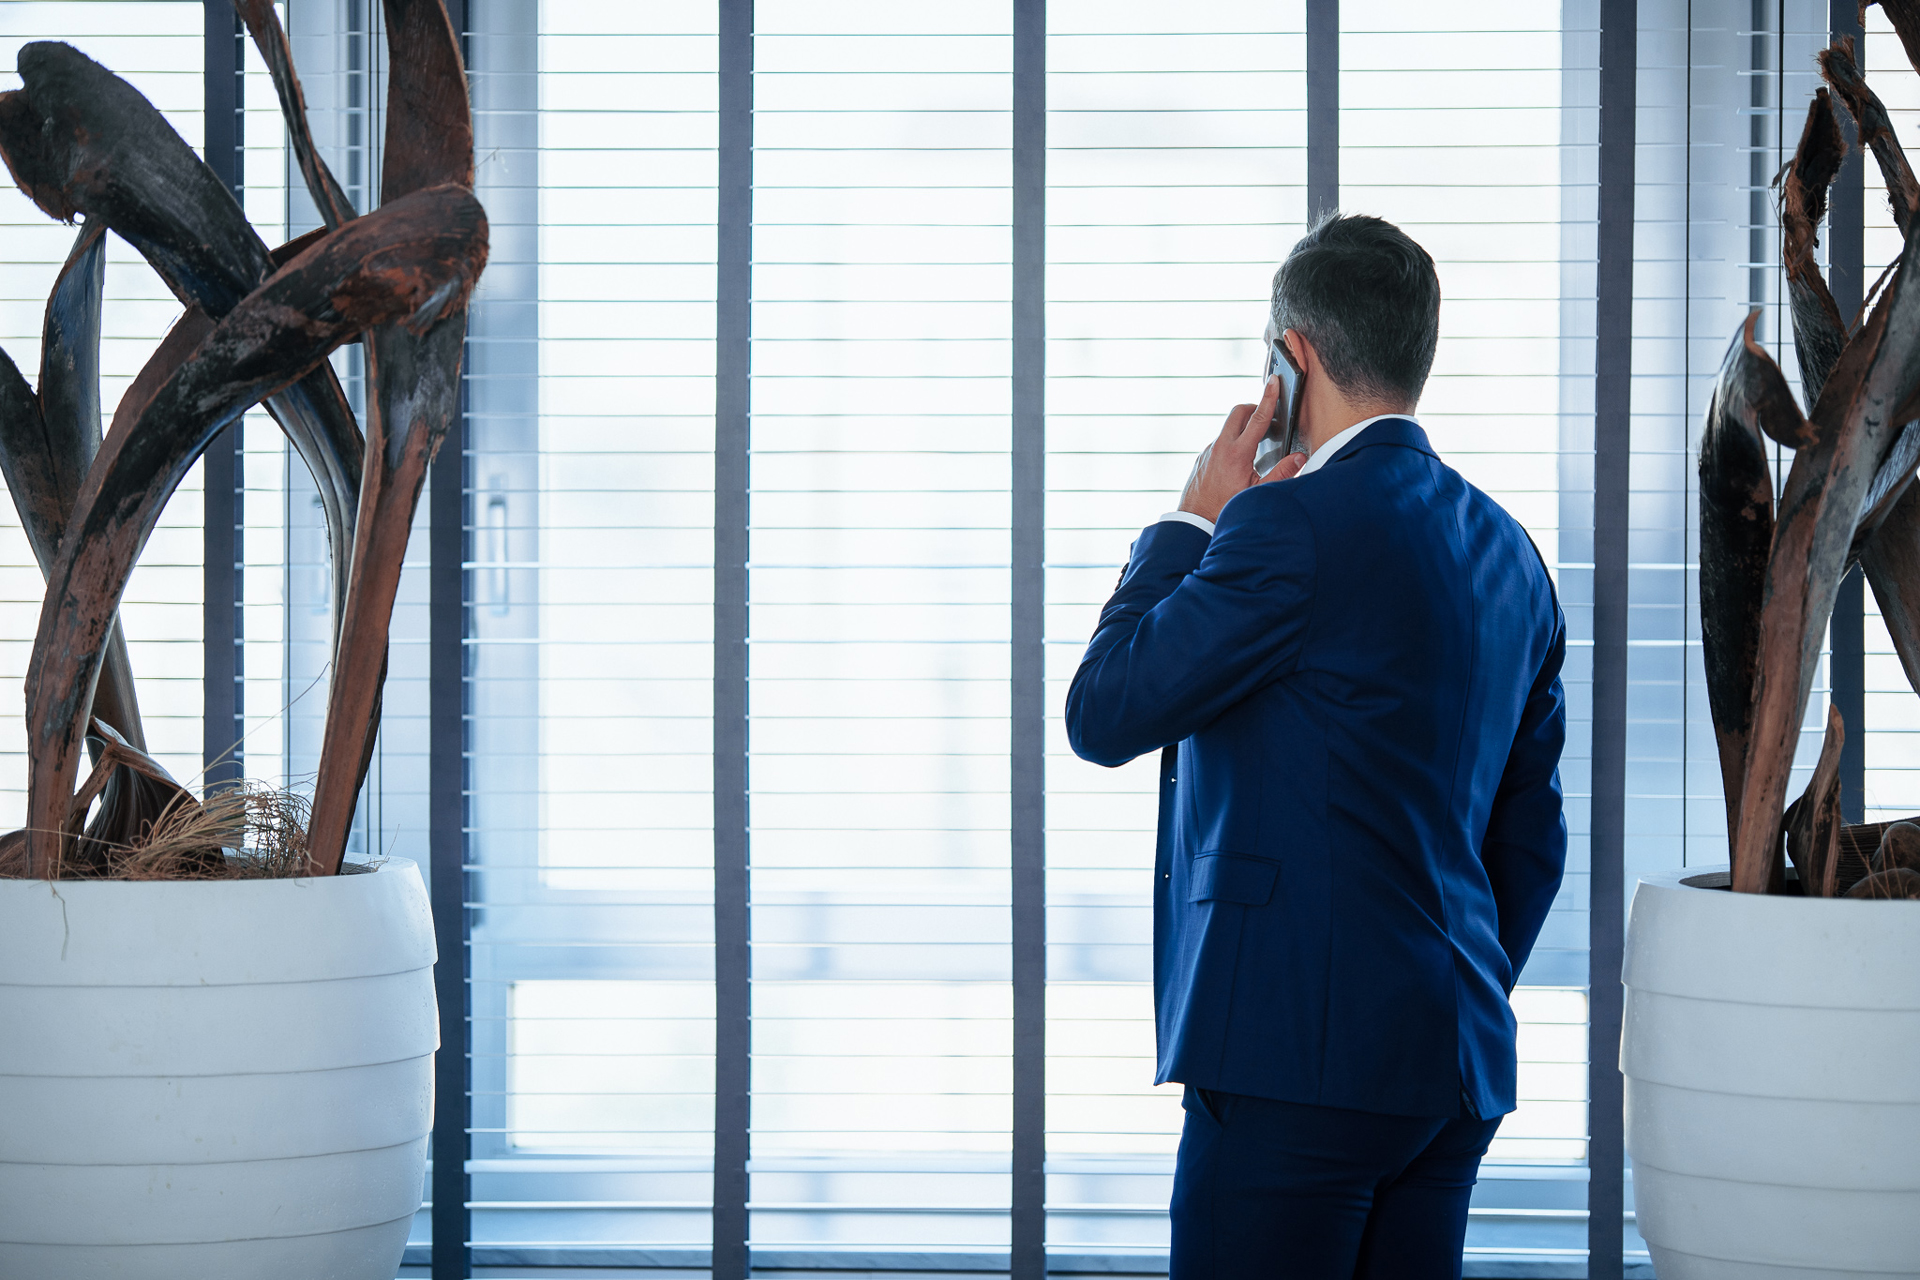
x: 1819, y: 331
x: 1736, y: 532
x: 1897, y: 885
x: 1875, y: 129
x: 1813, y: 823
x: 417, y: 256
x: 1855, y: 421
x: 1899, y: 847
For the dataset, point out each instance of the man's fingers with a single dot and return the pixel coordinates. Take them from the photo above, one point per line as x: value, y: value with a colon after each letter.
x: 1287, y: 468
x: 1255, y: 427
x: 1236, y: 422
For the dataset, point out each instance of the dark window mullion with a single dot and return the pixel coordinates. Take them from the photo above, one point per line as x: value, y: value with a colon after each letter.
x: 1027, y: 758
x: 1612, y: 452
x: 448, y: 550
x: 1323, y: 107
x: 732, y: 959
x: 223, y: 471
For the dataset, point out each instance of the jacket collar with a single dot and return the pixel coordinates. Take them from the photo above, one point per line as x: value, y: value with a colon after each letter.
x: 1389, y: 429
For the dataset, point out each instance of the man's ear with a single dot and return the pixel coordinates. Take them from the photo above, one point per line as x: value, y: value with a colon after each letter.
x: 1299, y: 348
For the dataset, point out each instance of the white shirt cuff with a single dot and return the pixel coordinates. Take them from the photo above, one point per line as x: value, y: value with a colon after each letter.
x: 1201, y: 523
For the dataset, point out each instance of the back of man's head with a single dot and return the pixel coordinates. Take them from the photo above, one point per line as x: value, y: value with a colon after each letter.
x: 1367, y: 298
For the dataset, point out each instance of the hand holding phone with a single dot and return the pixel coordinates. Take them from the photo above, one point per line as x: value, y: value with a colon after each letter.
x: 1226, y: 467
x: 1283, y: 435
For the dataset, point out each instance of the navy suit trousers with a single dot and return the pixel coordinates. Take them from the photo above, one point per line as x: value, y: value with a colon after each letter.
x: 1270, y: 1190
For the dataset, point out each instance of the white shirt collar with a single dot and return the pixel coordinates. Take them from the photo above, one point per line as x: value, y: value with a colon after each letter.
x: 1321, y: 457
x: 1324, y: 454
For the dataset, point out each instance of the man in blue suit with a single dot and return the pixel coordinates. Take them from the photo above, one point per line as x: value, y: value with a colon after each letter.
x: 1353, y: 666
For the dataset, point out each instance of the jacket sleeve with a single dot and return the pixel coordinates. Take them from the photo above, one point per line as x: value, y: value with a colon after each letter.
x: 1194, y: 627
x: 1525, y: 849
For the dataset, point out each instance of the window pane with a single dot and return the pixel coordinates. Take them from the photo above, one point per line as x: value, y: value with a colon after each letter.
x: 879, y: 625
x: 1176, y: 170
x: 589, y: 477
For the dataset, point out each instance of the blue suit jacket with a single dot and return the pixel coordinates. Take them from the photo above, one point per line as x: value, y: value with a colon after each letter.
x: 1363, y: 836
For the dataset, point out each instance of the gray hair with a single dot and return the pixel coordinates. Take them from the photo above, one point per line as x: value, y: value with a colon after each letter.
x: 1368, y: 299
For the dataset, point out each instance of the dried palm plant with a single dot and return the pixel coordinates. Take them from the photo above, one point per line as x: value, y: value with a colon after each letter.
x: 258, y: 327
x: 1769, y: 573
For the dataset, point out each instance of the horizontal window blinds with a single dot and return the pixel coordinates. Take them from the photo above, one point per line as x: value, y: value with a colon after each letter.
x: 589, y: 480
x: 156, y: 47
x: 879, y: 575
x: 878, y: 626
x: 1176, y: 171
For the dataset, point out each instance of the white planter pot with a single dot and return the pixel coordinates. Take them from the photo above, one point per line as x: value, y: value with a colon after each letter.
x: 228, y: 1080
x: 1772, y: 1062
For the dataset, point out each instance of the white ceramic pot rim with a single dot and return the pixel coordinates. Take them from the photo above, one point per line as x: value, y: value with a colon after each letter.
x: 1719, y: 876
x: 160, y: 933
x: 1689, y: 939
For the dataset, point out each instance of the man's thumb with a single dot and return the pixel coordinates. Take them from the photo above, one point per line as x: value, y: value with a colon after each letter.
x: 1286, y: 469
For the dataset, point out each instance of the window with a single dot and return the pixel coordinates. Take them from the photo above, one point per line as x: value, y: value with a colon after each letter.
x: 879, y: 547
x: 878, y: 567
x: 878, y: 627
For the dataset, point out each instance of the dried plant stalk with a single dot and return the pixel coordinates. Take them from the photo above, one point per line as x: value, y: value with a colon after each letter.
x: 1819, y: 332
x: 1813, y: 822
x: 136, y: 797
x: 79, y: 140
x: 1899, y: 884
x: 1854, y: 423
x: 1899, y: 847
x: 1874, y: 129
x: 49, y: 438
x: 1736, y: 532
x: 1891, y: 561
x: 1848, y: 499
x: 258, y: 327
x: 413, y: 260
x: 416, y: 395
x: 245, y: 832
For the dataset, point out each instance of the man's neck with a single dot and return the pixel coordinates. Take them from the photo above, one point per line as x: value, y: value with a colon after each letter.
x: 1318, y: 428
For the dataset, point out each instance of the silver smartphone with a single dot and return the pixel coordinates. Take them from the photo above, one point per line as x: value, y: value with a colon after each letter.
x: 1283, y: 435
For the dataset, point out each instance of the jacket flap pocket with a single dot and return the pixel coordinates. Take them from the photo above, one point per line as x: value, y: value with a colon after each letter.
x: 1232, y: 877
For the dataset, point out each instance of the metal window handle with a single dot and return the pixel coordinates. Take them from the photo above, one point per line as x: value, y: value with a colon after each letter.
x: 496, y: 558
